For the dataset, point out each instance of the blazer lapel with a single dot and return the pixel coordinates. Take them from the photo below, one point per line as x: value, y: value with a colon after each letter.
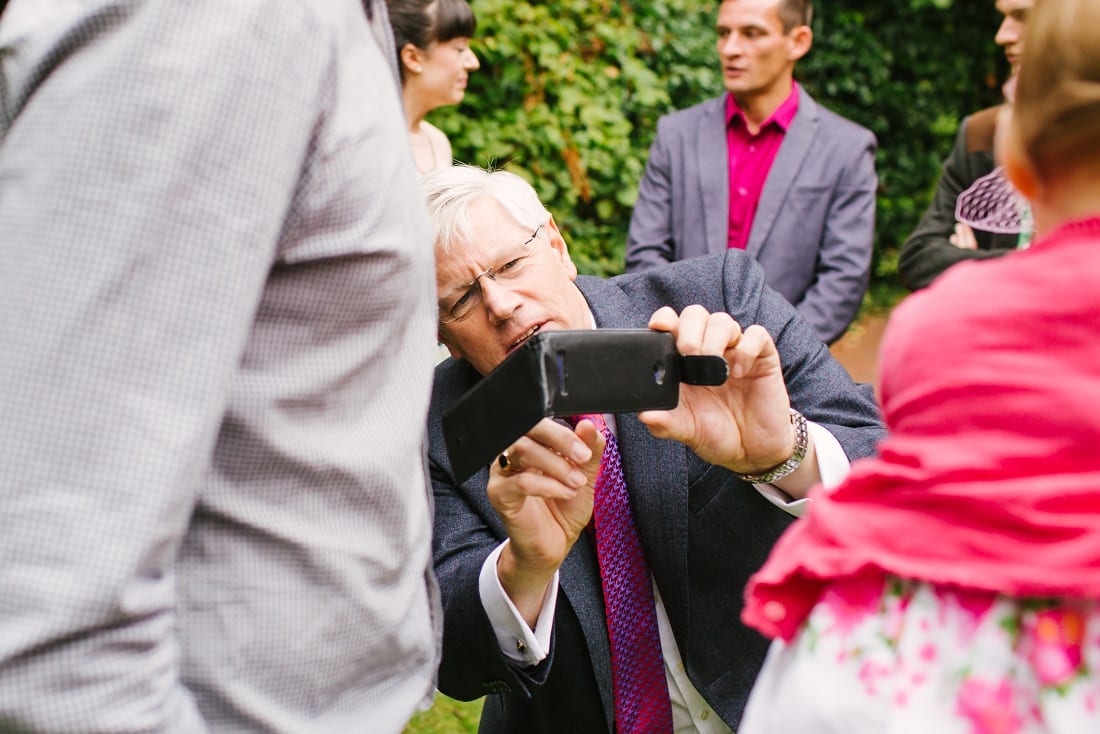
x: 796, y: 144
x: 655, y: 471
x: 579, y: 577
x: 714, y: 180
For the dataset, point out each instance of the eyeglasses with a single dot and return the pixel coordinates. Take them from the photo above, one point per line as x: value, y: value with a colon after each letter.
x: 512, y: 266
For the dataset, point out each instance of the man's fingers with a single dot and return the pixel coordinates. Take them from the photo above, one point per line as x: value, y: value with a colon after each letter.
x: 755, y: 342
x: 526, y: 456
x: 590, y: 436
x: 663, y: 319
x: 659, y: 422
x: 721, y: 333
x: 562, y: 440
x: 555, y: 451
x: 689, y: 332
x: 536, y: 484
x: 697, y: 331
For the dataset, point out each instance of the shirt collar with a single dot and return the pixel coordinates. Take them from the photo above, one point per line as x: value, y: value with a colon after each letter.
x: 783, y: 115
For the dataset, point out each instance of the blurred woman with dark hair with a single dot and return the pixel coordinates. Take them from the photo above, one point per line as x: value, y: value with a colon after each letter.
x: 432, y: 38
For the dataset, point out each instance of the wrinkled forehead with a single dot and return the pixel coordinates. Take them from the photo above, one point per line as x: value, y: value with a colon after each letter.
x: 738, y: 13
x: 489, y: 234
x: 472, y: 225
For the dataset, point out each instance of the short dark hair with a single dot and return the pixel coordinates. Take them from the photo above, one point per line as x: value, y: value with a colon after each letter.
x: 420, y: 22
x: 795, y: 13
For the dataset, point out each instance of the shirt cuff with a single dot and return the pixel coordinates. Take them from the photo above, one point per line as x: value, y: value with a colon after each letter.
x: 832, y: 463
x: 517, y: 641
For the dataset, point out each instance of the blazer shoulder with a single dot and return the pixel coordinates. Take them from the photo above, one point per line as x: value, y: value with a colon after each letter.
x: 832, y: 123
x: 713, y: 281
x: 980, y: 129
x: 689, y: 116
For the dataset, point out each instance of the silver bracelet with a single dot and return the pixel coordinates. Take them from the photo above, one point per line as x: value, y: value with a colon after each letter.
x: 801, y: 441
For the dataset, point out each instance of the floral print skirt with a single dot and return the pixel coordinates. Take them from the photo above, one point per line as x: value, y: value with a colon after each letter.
x: 902, y: 657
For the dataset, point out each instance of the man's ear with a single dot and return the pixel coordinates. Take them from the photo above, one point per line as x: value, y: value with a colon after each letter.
x: 558, y: 243
x: 442, y: 339
x: 801, y: 38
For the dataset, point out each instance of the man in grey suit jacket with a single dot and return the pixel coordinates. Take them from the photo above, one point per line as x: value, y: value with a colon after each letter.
x: 216, y: 318
x: 524, y: 610
x: 766, y: 169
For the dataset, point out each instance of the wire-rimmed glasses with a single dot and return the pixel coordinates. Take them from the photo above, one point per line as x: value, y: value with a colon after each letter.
x: 464, y: 298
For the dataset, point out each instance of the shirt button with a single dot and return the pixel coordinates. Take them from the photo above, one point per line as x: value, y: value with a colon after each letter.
x: 775, y: 611
x: 680, y: 667
x: 742, y: 191
x: 752, y: 148
x: 704, y: 714
x: 521, y: 646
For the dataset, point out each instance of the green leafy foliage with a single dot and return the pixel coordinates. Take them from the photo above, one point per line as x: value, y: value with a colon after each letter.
x: 569, y: 94
x: 909, y: 72
x: 568, y: 97
x: 447, y: 716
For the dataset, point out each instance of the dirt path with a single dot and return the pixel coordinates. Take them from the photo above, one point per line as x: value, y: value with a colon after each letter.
x: 858, y: 349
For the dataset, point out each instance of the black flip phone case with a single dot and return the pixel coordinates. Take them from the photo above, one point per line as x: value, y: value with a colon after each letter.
x: 560, y: 373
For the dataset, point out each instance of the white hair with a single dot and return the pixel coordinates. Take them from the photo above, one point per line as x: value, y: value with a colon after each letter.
x: 450, y: 192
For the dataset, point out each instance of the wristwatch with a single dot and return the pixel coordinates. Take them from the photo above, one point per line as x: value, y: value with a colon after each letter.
x: 801, y: 439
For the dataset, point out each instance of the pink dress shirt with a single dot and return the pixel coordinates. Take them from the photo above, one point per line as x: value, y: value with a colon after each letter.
x: 750, y: 159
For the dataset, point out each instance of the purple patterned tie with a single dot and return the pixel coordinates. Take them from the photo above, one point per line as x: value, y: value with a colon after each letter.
x: 637, y: 668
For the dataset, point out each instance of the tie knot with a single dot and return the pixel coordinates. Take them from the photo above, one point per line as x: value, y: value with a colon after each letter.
x: 596, y: 419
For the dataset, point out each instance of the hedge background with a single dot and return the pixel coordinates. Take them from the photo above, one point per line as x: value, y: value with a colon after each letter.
x: 569, y: 93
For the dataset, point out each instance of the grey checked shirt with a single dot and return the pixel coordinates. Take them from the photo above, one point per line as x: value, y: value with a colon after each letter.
x: 216, y: 344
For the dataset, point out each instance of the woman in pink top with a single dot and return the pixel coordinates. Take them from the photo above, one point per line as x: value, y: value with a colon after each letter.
x: 950, y: 585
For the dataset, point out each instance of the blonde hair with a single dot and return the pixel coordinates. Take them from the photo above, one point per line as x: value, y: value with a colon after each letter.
x: 1056, y: 115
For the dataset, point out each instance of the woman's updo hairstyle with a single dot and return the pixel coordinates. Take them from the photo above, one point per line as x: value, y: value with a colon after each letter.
x: 420, y: 22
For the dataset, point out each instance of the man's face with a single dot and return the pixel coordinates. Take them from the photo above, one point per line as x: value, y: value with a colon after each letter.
x: 1010, y: 34
x: 511, y: 309
x: 757, y: 56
